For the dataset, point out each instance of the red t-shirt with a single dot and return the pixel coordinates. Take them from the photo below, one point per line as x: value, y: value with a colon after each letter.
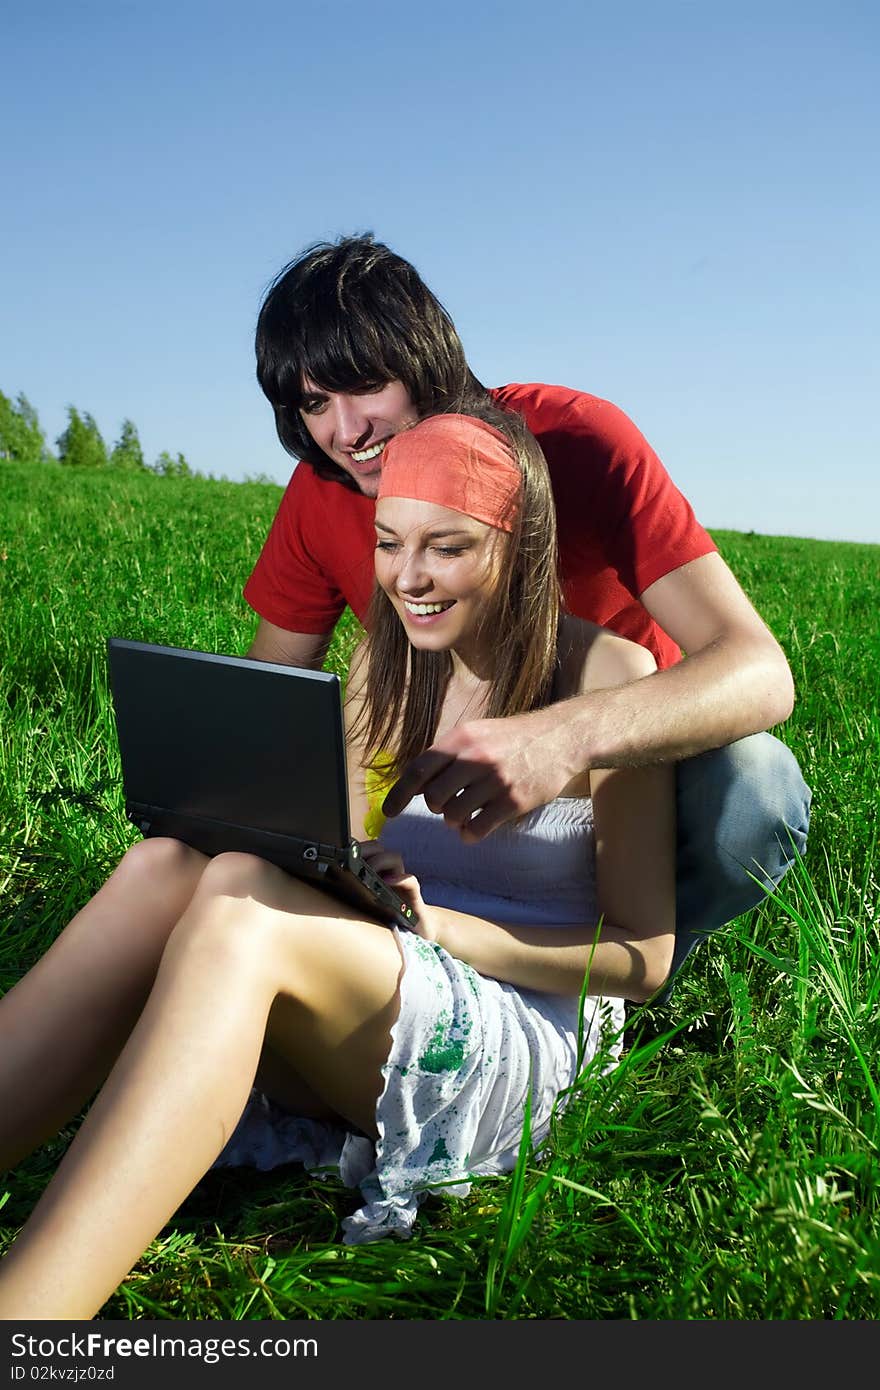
x: 622, y: 525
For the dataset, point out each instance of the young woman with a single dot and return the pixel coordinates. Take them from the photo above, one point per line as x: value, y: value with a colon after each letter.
x: 232, y: 1014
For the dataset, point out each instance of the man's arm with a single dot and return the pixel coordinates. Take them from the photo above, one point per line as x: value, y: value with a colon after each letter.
x: 733, y: 681
x: 271, y: 643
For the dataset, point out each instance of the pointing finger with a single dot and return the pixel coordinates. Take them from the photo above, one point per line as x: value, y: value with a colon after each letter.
x: 414, y: 777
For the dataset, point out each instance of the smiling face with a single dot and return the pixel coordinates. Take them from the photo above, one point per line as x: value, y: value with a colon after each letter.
x: 439, y: 568
x: 353, y: 427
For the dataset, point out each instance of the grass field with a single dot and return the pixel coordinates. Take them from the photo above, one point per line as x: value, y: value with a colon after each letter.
x: 728, y: 1169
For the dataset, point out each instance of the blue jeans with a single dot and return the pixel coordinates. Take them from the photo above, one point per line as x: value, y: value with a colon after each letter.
x: 741, y: 810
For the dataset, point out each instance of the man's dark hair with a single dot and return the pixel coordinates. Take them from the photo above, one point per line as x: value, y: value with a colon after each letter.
x: 351, y: 315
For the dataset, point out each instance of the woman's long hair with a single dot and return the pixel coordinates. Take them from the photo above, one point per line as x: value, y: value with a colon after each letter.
x: 405, y: 687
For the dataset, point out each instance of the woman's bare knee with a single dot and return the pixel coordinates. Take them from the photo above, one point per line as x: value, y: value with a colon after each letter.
x: 237, y: 875
x: 249, y: 918
x: 161, y: 864
x: 248, y: 878
x: 144, y: 897
x: 228, y: 921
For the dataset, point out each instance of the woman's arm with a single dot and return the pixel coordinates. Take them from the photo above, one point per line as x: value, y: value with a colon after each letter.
x: 629, y: 953
x: 555, y: 960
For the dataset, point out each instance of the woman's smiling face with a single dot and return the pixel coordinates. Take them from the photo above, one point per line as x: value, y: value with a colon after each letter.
x: 439, y: 569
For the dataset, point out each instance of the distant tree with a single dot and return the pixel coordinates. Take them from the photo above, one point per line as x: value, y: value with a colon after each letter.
x: 168, y: 467
x: 262, y: 478
x: 21, y: 438
x: 81, y: 445
x: 127, y: 452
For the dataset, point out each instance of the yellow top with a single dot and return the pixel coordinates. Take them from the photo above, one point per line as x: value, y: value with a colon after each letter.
x: 380, y: 777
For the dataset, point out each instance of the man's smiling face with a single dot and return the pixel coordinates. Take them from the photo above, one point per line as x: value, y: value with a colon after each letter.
x: 353, y: 427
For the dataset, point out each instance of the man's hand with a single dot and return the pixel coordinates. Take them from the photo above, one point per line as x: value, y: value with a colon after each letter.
x: 488, y: 771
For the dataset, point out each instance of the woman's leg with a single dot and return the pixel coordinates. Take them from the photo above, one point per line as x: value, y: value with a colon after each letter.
x: 252, y: 942
x: 63, y: 1024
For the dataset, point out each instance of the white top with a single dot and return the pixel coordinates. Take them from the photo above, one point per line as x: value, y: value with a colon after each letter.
x: 538, y: 871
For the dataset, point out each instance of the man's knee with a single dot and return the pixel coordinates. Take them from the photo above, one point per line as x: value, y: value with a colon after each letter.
x: 743, y: 808
x: 743, y: 815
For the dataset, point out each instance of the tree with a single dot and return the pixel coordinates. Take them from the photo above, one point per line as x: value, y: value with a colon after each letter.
x: 127, y: 452
x: 21, y: 438
x: 168, y: 467
x: 81, y: 445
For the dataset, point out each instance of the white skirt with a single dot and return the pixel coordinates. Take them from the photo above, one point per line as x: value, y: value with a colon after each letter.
x: 465, y: 1053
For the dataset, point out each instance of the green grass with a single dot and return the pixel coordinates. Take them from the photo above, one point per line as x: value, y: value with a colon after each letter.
x: 728, y: 1169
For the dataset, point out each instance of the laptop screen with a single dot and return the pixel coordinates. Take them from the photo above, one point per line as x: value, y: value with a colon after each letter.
x: 231, y: 739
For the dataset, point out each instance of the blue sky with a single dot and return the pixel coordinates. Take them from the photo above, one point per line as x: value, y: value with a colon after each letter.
x: 671, y: 205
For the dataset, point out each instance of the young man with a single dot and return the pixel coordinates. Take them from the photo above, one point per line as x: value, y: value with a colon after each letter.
x: 352, y: 347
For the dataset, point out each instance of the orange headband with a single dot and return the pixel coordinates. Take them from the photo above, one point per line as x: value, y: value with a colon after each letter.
x: 457, y: 462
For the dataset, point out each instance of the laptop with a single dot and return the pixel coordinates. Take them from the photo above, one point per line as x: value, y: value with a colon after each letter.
x: 228, y: 753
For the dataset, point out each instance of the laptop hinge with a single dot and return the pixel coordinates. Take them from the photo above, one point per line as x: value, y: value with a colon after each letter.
x: 212, y: 835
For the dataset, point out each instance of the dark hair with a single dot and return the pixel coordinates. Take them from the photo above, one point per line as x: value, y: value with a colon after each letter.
x: 404, y: 689
x: 351, y: 314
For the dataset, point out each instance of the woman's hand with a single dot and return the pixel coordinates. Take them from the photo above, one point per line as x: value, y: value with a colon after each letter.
x: 390, y: 867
